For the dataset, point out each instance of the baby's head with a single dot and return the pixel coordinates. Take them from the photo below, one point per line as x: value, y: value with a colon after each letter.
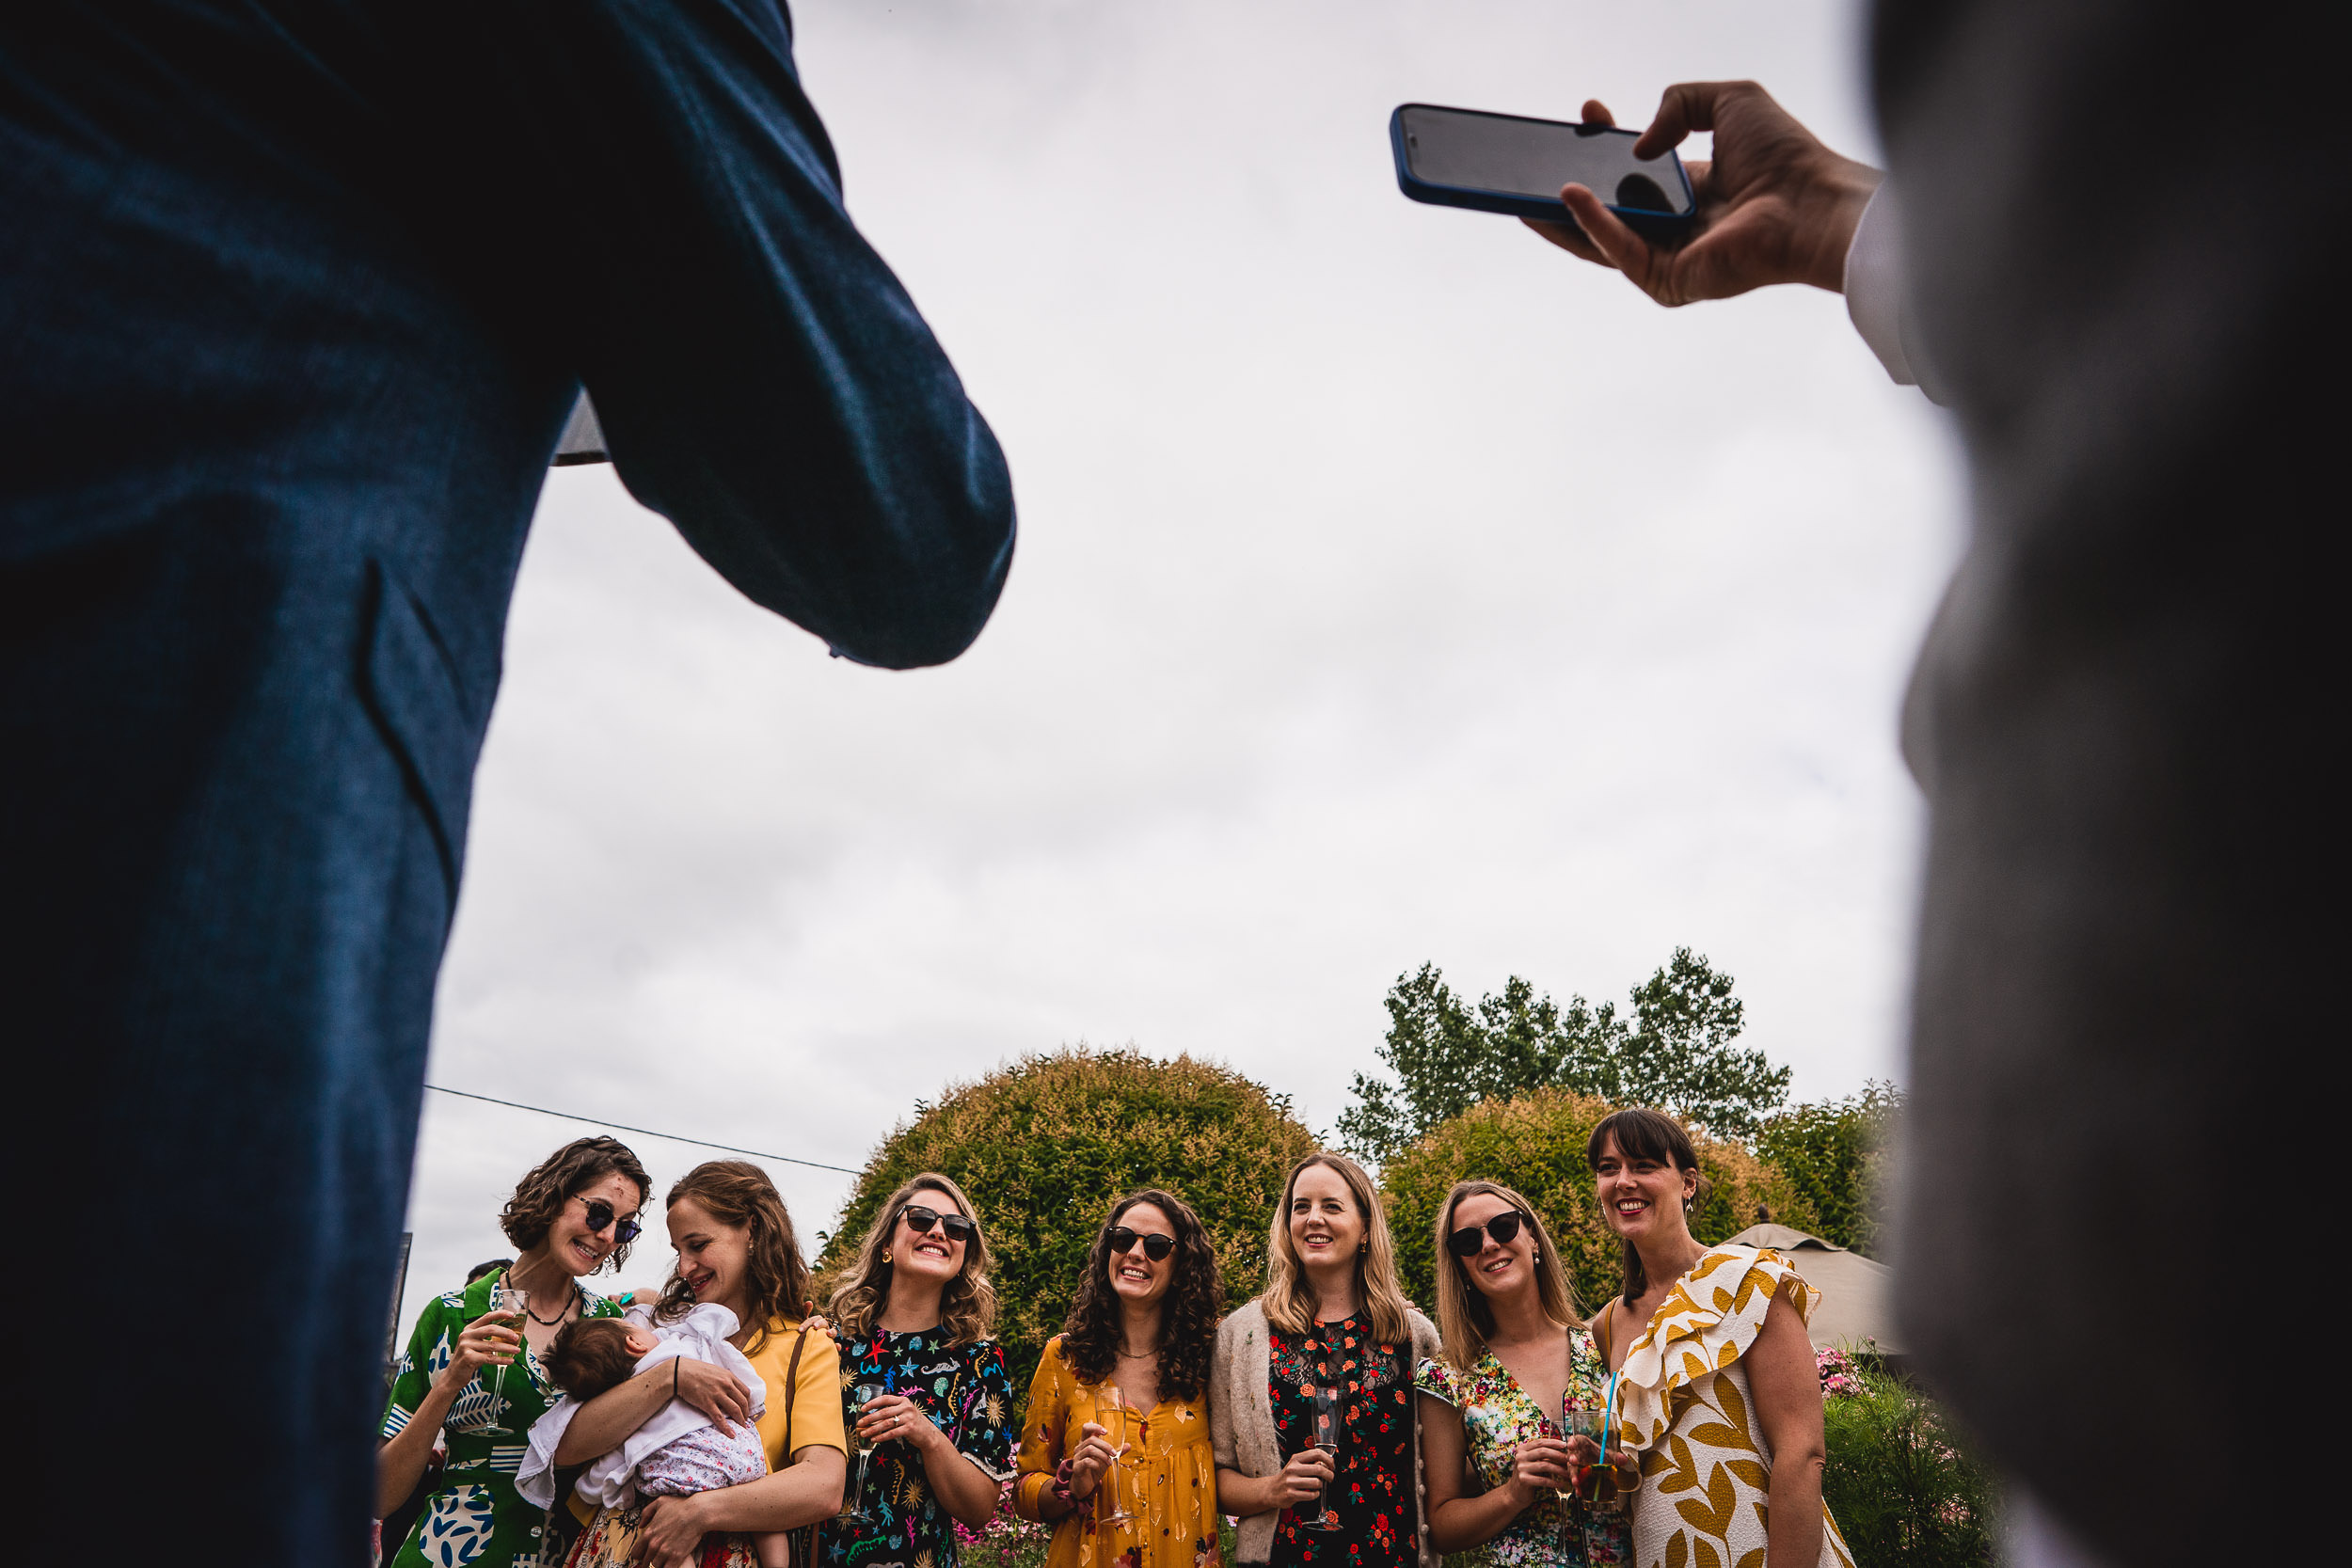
x: 591, y: 1355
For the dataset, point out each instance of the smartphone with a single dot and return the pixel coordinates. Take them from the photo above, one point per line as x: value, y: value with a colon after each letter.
x: 1493, y: 163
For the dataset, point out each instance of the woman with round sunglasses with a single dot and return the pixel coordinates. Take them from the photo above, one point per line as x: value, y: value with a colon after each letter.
x: 1514, y: 1359
x: 471, y: 1375
x: 912, y: 1316
x: 737, y: 1249
x: 1332, y: 1316
x: 1718, y: 1389
x: 1118, y: 1421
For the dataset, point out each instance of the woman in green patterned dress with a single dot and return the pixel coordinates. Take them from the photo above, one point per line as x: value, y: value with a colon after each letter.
x: 472, y: 1377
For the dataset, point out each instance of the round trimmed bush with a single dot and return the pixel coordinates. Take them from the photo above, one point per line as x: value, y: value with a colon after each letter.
x: 1535, y: 1143
x: 1045, y: 1144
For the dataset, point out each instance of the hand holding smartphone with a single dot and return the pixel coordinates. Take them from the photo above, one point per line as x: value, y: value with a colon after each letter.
x: 1493, y: 163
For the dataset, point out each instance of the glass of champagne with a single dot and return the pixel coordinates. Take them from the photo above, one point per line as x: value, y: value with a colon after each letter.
x: 513, y: 1304
x: 862, y: 1457
x: 1329, y: 1427
x: 1118, y: 1419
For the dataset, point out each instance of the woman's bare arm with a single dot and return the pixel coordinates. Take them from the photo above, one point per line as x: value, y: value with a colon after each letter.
x: 1456, y: 1522
x: 1786, y: 1383
x: 605, y: 1422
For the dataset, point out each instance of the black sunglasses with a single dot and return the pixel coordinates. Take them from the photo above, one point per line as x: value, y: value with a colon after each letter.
x: 920, y: 1221
x: 600, y: 1216
x: 1123, y: 1238
x: 1471, y: 1240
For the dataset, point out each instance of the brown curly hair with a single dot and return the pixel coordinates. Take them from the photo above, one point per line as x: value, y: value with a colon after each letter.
x: 1194, y: 1302
x: 967, y: 1307
x: 540, y: 1195
x: 736, y: 1192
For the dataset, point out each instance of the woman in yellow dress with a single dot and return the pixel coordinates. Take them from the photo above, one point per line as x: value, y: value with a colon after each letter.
x: 1716, y: 1386
x: 736, y: 1247
x: 1140, y: 1335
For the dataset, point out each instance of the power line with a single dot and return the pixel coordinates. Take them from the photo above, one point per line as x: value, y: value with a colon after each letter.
x: 617, y: 1127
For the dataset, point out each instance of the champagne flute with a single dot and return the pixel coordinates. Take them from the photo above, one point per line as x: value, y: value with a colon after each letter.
x: 505, y: 1298
x: 853, y: 1495
x: 1117, y: 1418
x: 1328, y: 1429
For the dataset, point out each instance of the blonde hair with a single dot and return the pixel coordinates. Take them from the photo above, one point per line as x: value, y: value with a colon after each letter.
x: 1289, y: 1305
x: 967, y: 1307
x: 1464, y: 1319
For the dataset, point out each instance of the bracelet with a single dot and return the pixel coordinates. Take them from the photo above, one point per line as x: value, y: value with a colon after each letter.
x: 674, y: 1371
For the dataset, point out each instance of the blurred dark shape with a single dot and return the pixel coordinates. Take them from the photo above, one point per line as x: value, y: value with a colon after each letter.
x: 294, y: 301
x: 2122, y: 720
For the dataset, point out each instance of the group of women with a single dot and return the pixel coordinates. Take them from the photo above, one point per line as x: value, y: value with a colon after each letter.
x: 1335, y: 1424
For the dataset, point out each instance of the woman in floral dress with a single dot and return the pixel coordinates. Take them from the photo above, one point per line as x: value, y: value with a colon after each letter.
x: 1332, y: 1315
x: 473, y: 1377
x: 1719, y: 1391
x: 921, y: 1381
x: 1142, y: 1326
x: 1514, y: 1358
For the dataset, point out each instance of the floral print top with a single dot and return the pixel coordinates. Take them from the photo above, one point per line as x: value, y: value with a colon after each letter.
x: 476, y: 1518
x: 1371, y: 1500
x: 1497, y: 1416
x: 967, y: 1394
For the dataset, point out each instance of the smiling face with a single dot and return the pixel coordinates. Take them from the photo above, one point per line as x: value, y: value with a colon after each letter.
x: 578, y: 1249
x: 713, y: 1257
x: 1137, y: 1278
x: 1499, y: 1268
x: 1326, y: 1229
x: 1642, y: 1199
x: 932, y: 1255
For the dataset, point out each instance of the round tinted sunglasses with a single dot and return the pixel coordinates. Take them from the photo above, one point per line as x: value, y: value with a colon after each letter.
x: 600, y: 1216
x: 1471, y: 1240
x: 920, y: 1221
x: 1123, y: 1238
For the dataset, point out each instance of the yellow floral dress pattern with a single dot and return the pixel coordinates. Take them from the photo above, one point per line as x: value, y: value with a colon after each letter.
x: 1173, y: 1487
x: 1685, y: 1405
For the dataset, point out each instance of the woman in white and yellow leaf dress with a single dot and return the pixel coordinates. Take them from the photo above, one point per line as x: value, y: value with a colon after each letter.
x: 1717, y: 1387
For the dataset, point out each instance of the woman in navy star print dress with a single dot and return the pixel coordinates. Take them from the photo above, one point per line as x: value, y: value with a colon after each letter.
x: 922, y: 1381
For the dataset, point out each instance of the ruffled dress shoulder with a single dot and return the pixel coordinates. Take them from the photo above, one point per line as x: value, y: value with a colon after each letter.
x: 1684, y: 1405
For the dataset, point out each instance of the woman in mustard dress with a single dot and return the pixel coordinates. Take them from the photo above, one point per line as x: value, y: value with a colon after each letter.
x: 1138, y: 1336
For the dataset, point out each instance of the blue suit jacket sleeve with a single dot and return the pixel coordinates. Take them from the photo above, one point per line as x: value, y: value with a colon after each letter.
x: 762, y: 378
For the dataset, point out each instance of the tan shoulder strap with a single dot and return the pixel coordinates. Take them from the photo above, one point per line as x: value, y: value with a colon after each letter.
x: 1600, y: 1327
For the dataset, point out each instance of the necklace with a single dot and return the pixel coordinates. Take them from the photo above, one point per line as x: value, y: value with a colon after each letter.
x: 550, y: 1322
x: 1126, y: 1355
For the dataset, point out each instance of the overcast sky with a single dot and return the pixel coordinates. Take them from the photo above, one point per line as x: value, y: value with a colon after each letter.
x: 1391, y: 588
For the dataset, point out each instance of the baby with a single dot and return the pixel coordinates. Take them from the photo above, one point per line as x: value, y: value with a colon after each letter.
x: 678, y: 1449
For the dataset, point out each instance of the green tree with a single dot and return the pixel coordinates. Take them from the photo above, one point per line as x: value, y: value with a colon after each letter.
x: 1673, y: 1049
x: 1535, y: 1143
x: 1834, y: 1151
x: 1907, y: 1488
x: 1045, y: 1144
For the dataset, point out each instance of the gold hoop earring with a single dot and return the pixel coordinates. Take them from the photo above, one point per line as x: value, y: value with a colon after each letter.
x: 886, y: 1255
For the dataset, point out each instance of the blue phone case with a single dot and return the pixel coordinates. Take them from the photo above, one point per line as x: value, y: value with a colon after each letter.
x: 1653, y: 226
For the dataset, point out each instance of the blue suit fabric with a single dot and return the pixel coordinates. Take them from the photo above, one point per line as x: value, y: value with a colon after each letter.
x: 295, y: 296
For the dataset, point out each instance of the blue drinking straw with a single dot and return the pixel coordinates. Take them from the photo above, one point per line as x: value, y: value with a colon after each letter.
x: 1608, y: 1412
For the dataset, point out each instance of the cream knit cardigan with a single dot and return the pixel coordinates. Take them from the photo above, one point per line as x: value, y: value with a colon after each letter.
x: 1241, y: 1420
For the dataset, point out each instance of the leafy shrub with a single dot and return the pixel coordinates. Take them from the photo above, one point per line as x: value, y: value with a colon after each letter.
x: 1904, y: 1488
x: 1045, y: 1146
x: 1535, y: 1143
x: 1832, y: 1151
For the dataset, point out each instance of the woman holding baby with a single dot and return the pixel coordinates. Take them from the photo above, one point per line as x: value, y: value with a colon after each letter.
x: 473, y: 1378
x: 736, y: 1250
